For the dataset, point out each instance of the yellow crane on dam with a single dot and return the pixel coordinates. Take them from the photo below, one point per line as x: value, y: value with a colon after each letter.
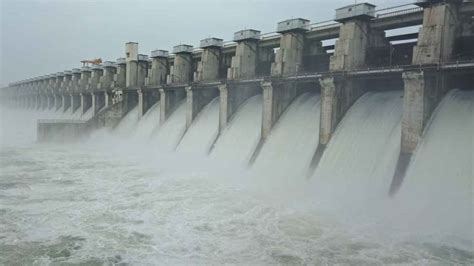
x: 96, y: 61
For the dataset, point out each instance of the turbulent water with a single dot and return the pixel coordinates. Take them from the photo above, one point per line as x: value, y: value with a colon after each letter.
x: 243, y: 134
x: 105, y: 202
x: 203, y: 132
x: 285, y: 157
x: 363, y: 152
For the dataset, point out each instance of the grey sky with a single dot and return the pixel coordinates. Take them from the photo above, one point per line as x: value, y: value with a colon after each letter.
x: 45, y: 36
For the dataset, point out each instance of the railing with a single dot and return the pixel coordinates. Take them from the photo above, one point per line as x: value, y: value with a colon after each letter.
x: 61, y: 121
x: 400, y: 12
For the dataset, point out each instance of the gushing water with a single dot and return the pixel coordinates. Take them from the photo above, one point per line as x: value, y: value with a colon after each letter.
x: 171, y: 132
x: 148, y: 123
x: 128, y: 124
x: 238, y: 141
x: 286, y: 155
x: 203, y: 132
x: 362, y: 154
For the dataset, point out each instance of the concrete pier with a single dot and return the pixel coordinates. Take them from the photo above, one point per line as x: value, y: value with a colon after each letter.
x: 106, y: 81
x: 120, y: 77
x: 289, y: 58
x: 159, y: 68
x: 182, y: 69
x: 244, y: 62
x: 86, y: 102
x: 86, y: 73
x: 75, y: 101
x: 147, y: 95
x: 131, y: 57
x: 76, y: 77
x: 208, y: 67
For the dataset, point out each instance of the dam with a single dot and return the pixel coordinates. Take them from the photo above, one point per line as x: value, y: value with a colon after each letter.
x: 356, y: 115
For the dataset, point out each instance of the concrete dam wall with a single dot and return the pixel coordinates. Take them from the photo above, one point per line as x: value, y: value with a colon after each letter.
x: 282, y: 101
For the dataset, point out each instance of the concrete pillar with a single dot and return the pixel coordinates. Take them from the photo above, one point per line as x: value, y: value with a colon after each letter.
x: 66, y: 84
x: 159, y: 68
x: 424, y: 89
x: 182, y: 69
x: 94, y: 104
x: 94, y: 80
x: 142, y: 70
x: 289, y: 58
x: 107, y: 77
x: 196, y: 99
x: 231, y: 97
x: 98, y: 102
x: 120, y: 76
x: 141, y: 103
x: 86, y: 102
x: 437, y: 36
x: 169, y: 100
x: 244, y: 63
x: 75, y: 78
x: 75, y: 102
x: 131, y: 57
x: 107, y: 99
x: 208, y: 67
x: 84, y: 80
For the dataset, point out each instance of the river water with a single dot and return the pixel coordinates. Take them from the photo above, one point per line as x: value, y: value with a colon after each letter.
x: 121, y: 200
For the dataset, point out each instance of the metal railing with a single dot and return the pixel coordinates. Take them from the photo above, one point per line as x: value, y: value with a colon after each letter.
x: 60, y: 121
x: 400, y: 12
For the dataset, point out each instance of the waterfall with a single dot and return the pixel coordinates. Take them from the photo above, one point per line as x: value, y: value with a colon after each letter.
x: 169, y: 134
x: 287, y: 153
x: 88, y: 114
x: 148, y: 123
x: 359, y: 161
x: 239, y: 140
x: 203, y: 131
x: 438, y: 186
x: 127, y: 125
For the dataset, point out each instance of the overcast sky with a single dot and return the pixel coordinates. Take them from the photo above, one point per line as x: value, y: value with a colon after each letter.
x: 40, y: 37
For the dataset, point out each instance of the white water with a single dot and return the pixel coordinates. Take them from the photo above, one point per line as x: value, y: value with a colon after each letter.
x: 438, y: 186
x: 128, y: 124
x: 288, y: 152
x: 203, y: 132
x: 170, y: 133
x: 361, y: 157
x: 95, y: 204
x: 239, y: 140
x: 148, y: 123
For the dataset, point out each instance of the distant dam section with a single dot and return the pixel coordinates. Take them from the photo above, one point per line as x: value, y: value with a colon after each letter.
x: 255, y: 82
